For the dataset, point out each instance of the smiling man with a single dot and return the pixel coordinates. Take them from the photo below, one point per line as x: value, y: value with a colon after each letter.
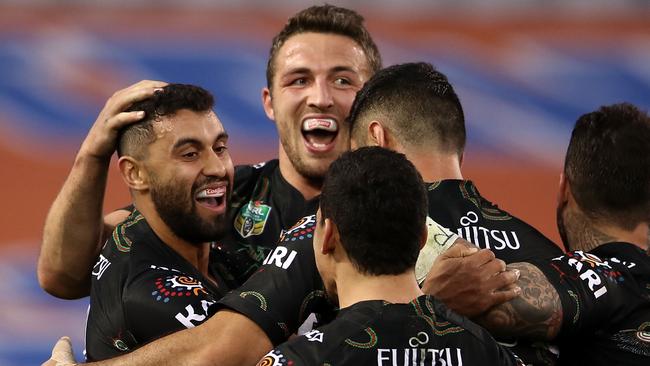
x: 153, y: 275
x: 317, y: 63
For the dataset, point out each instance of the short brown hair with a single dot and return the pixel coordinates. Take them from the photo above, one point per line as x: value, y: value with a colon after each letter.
x: 326, y: 19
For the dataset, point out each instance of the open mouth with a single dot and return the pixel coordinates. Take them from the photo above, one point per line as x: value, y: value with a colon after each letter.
x: 320, y: 133
x: 213, y: 198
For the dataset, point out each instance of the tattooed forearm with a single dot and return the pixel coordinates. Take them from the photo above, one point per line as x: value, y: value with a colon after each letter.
x: 535, y: 314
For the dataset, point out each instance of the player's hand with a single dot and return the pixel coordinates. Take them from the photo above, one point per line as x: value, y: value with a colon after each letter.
x: 101, y: 141
x: 470, y: 281
x: 61, y: 354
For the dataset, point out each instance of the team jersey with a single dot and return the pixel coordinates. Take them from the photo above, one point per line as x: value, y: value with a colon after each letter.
x: 422, y: 332
x: 263, y: 204
x: 287, y: 288
x: 605, y: 295
x: 458, y: 206
x: 141, y: 290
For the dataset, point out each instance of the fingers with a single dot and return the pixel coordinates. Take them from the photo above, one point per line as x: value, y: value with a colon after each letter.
x: 460, y: 248
x: 500, y: 296
x: 62, y: 352
x: 481, y: 258
x: 124, y: 98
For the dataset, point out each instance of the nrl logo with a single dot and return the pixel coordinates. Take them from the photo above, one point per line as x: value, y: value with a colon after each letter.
x: 251, y: 219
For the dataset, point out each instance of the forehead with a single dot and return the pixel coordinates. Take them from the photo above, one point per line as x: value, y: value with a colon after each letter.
x: 188, y: 124
x: 321, y: 52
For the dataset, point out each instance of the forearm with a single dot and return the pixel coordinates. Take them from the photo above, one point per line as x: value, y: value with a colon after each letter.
x: 226, y: 339
x: 73, y: 230
x: 535, y: 314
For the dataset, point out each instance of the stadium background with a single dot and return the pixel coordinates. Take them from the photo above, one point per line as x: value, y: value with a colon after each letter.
x: 524, y: 70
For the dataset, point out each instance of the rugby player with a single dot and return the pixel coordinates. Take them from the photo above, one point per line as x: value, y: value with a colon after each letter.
x: 153, y: 276
x: 369, y: 231
x: 595, y: 299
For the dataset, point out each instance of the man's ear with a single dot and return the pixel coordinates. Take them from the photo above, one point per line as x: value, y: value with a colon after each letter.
x: 424, y: 235
x: 564, y: 190
x: 330, y: 237
x: 133, y: 174
x: 267, y: 103
x: 377, y: 134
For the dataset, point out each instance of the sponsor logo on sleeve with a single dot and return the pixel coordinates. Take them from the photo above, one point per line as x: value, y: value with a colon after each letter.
x: 100, y: 267
x: 314, y: 336
x: 592, y: 270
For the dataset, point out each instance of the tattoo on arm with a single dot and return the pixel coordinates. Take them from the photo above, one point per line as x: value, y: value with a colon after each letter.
x: 535, y: 314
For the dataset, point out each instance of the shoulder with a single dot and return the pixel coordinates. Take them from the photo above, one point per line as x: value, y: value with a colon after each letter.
x: 252, y: 172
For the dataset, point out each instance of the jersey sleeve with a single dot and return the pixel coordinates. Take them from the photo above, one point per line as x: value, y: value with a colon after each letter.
x: 158, y: 302
x: 590, y: 290
x: 285, y: 290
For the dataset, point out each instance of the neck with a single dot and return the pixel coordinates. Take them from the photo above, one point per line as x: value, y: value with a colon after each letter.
x: 585, y: 233
x: 309, y: 188
x: 197, y: 254
x: 434, y: 166
x: 353, y: 287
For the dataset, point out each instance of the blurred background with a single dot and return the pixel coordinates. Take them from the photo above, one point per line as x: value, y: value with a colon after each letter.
x: 524, y: 70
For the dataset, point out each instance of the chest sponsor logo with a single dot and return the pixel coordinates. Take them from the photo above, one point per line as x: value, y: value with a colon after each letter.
x: 281, y: 257
x: 591, y: 270
x: 194, y: 314
x: 486, y: 238
x: 100, y: 267
x: 419, y: 356
x: 252, y: 218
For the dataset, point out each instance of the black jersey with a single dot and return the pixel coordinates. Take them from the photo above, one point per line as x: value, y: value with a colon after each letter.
x: 288, y: 288
x: 422, y: 332
x: 458, y: 206
x: 141, y: 290
x: 605, y: 296
x: 263, y: 204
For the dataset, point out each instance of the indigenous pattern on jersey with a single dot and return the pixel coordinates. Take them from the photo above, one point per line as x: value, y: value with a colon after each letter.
x: 293, y: 290
x: 422, y: 332
x: 141, y: 290
x: 605, y: 296
x: 458, y: 206
x: 286, y: 289
x: 263, y: 204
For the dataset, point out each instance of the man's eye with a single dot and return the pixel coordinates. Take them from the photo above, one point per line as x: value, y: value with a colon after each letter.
x: 299, y: 82
x: 191, y: 155
x: 220, y: 149
x: 342, y: 81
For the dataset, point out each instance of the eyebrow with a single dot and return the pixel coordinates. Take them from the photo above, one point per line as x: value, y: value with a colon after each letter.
x: 306, y: 70
x: 194, y: 141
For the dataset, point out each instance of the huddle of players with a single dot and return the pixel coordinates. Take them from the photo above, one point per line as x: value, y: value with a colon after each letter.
x: 368, y: 229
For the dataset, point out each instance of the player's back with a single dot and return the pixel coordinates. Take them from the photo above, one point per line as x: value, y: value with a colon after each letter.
x: 423, y: 331
x: 458, y: 206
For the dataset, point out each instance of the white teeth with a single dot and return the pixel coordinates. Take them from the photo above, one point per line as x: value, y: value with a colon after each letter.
x: 326, y: 124
x: 212, y: 192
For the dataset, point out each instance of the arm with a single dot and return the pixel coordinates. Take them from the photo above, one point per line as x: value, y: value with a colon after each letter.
x: 74, y: 229
x: 228, y: 338
x: 536, y: 313
x: 470, y: 281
